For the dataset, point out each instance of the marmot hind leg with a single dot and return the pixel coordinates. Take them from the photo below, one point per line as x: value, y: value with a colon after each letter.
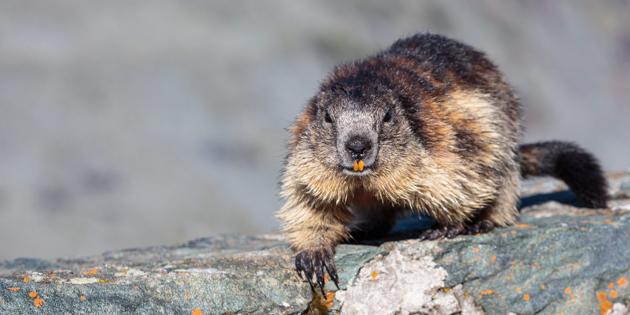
x: 502, y: 212
x: 439, y: 231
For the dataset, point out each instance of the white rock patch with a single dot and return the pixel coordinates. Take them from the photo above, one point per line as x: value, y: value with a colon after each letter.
x: 83, y: 280
x: 403, y: 283
x: 619, y: 309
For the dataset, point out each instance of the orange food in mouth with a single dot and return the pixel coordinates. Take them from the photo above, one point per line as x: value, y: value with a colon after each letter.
x: 358, y: 166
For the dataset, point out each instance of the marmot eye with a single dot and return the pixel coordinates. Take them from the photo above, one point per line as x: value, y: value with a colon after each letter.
x: 388, y: 116
x: 327, y: 117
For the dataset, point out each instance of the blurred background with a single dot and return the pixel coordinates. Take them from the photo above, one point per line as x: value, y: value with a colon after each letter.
x: 133, y: 123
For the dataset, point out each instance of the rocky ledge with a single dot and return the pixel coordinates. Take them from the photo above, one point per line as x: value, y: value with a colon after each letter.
x: 559, y: 259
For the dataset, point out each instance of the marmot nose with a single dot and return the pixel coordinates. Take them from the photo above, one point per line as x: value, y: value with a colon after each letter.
x: 358, y: 146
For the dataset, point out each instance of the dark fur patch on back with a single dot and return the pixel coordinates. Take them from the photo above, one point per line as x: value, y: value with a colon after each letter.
x: 466, y: 143
x: 443, y: 57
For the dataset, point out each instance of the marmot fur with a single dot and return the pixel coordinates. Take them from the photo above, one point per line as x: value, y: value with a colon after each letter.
x: 428, y: 125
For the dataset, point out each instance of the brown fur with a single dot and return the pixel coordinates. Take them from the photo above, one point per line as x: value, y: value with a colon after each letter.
x: 451, y: 151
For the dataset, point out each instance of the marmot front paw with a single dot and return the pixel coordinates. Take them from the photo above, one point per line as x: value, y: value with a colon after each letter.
x: 312, y: 265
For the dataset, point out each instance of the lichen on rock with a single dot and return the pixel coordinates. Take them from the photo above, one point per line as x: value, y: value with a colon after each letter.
x: 558, y: 259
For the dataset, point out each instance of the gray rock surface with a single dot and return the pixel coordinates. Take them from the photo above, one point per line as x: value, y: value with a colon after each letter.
x: 558, y: 259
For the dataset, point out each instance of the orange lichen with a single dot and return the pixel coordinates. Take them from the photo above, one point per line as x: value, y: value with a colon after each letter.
x: 14, y: 289
x: 604, y: 304
x: 523, y: 226
x: 82, y: 298
x: 613, y: 294
x: 519, y: 290
x: 330, y: 299
x: 611, y: 285
x: 374, y: 275
x: 622, y: 282
x: 569, y: 292
x: 196, y: 311
x: 487, y: 292
x: 526, y: 297
x: 90, y: 272
x: 493, y: 258
x: 38, y: 302
x: 26, y: 279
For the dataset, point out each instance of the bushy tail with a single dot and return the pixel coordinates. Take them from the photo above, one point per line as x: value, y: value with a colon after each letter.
x: 578, y: 168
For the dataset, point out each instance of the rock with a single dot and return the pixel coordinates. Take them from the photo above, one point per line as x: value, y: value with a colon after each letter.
x: 558, y: 259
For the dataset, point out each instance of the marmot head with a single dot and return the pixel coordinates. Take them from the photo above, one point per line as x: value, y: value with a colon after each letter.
x: 358, y: 126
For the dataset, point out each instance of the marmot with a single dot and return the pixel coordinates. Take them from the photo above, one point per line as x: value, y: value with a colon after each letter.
x: 428, y: 125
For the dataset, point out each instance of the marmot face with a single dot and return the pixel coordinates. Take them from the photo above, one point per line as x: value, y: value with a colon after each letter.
x: 359, y: 124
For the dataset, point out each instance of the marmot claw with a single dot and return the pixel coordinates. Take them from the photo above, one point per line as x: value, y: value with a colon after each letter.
x: 313, y: 264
